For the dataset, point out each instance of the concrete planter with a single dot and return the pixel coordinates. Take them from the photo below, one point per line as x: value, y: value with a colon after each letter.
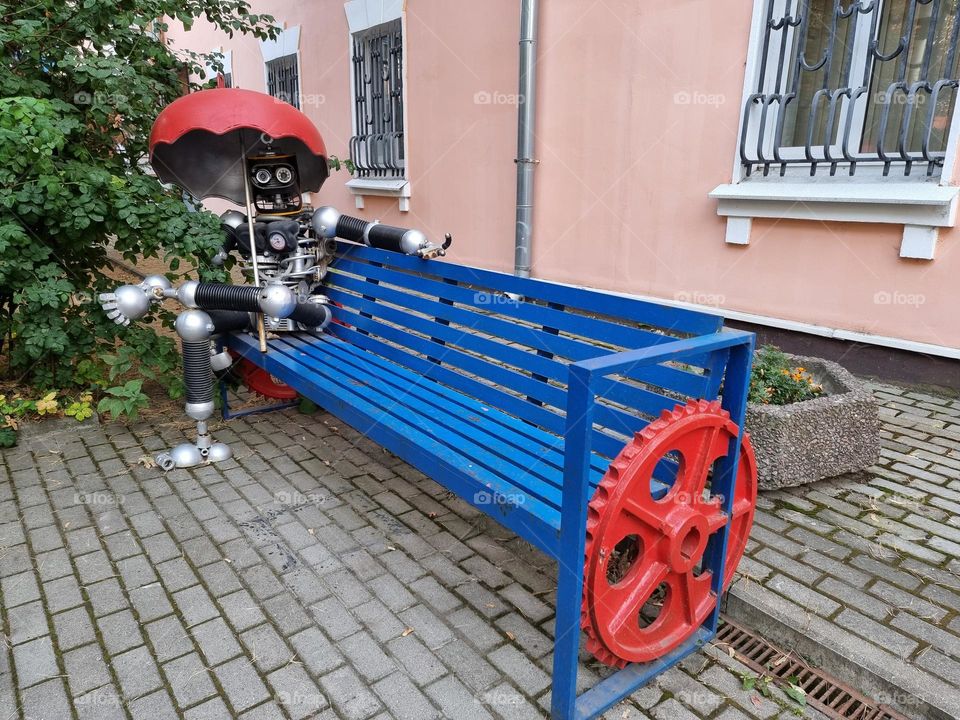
x: 834, y: 434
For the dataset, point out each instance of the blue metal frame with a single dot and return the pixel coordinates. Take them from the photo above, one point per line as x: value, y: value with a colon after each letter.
x: 227, y: 414
x: 384, y: 388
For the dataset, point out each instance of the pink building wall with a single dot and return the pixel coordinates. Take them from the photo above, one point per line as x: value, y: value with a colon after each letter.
x: 639, y: 107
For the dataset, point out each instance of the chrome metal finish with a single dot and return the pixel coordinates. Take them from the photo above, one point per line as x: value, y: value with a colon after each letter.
x: 194, y: 325
x: 187, y: 294
x: 526, y: 124
x: 325, y: 221
x: 277, y: 300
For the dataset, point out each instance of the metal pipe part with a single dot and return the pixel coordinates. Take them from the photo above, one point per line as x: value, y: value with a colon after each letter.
x: 526, y: 125
x: 248, y: 196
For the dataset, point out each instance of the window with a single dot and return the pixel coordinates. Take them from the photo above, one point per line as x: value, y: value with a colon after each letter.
x: 856, y: 87
x: 283, y: 79
x: 377, y: 145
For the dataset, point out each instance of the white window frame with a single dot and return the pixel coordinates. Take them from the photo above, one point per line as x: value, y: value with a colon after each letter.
x: 363, y: 15
x: 922, y: 207
x: 286, y: 43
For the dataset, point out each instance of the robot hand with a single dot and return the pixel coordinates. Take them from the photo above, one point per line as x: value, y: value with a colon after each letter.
x: 329, y: 223
x: 132, y: 302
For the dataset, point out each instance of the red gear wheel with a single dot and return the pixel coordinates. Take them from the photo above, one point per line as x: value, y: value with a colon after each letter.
x: 669, y: 535
x: 263, y: 383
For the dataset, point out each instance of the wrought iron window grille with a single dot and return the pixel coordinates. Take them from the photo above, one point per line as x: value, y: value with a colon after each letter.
x: 283, y: 79
x: 377, y: 145
x: 853, y: 83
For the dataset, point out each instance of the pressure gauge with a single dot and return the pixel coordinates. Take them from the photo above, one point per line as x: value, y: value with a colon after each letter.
x: 262, y: 177
x: 278, y: 241
x: 284, y: 175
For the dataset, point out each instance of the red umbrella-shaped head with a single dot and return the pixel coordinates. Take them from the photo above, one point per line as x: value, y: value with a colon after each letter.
x: 201, y: 141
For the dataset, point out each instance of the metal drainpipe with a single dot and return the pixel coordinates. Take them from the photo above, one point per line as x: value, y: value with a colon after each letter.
x: 526, y: 123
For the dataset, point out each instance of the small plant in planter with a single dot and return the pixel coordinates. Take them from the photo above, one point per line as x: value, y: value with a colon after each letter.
x: 809, y: 419
x: 777, y: 381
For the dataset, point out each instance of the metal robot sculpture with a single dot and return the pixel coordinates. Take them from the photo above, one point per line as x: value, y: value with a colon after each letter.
x: 261, y: 154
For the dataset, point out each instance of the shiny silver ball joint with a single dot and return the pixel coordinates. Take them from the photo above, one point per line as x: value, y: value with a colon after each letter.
x: 194, y: 325
x: 277, y: 300
x: 325, y: 220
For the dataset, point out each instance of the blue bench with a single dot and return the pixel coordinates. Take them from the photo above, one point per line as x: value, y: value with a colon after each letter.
x: 516, y: 394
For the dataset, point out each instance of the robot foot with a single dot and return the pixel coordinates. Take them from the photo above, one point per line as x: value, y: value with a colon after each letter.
x: 188, y: 455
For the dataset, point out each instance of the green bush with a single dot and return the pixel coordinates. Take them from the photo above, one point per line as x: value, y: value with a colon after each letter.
x: 81, y: 85
x: 776, y: 381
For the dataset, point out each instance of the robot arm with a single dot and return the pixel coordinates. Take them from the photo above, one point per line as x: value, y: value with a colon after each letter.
x: 328, y: 222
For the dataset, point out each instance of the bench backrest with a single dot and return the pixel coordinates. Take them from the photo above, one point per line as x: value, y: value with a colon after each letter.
x: 507, y: 341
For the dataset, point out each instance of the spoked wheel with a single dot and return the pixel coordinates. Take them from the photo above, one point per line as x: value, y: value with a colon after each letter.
x: 645, y: 590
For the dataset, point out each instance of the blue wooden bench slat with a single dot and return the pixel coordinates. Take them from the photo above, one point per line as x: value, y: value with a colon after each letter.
x: 403, y: 435
x: 646, y: 401
x: 619, y: 306
x: 550, y: 420
x: 525, y: 467
x: 534, y: 317
x: 495, y: 422
x: 500, y: 320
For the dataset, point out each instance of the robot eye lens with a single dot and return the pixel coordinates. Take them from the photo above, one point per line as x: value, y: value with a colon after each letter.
x: 284, y: 174
x: 278, y: 241
x: 262, y: 176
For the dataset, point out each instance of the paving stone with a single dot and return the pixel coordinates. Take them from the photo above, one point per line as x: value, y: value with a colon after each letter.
x: 150, y: 602
x: 875, y: 632
x: 379, y: 620
x: 803, y: 595
x: 137, y: 672
x: 189, y: 680
x: 334, y: 618
x: 908, y: 601
x: 266, y: 647
x: 73, y: 628
x: 286, y: 613
x: 508, y: 703
x: 19, y: 589
x: 27, y: 622
x: 349, y: 694
x: 404, y: 699
x: 104, y: 703
x: 365, y: 655
x: 106, y: 597
x: 85, y: 669
x: 515, y: 665
x: 468, y: 665
x: 35, y: 662
x: 62, y: 594
x: 296, y: 692
x: 196, y: 606
x: 243, y: 686
x: 316, y: 652
x: 169, y: 638
x: 120, y: 632
x: 421, y: 664
x: 216, y: 641
x: 156, y: 706
x: 213, y: 709
x: 45, y: 701
x: 850, y: 596
x: 242, y: 610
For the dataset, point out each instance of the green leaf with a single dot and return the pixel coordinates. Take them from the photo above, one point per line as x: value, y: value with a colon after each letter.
x: 796, y: 693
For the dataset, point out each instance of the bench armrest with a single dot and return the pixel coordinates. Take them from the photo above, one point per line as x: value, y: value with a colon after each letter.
x: 626, y: 360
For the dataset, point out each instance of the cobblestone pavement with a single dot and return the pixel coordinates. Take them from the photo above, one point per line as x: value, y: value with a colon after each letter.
x: 317, y: 576
x: 863, y: 572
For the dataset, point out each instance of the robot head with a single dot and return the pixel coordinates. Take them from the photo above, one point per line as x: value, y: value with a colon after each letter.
x: 275, y: 183
x: 197, y: 141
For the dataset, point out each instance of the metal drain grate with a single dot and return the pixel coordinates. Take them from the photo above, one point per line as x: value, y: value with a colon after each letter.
x: 824, y: 693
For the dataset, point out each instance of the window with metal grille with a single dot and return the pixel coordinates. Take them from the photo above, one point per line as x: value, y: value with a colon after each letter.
x: 855, y: 86
x: 376, y: 147
x: 228, y: 79
x: 283, y: 79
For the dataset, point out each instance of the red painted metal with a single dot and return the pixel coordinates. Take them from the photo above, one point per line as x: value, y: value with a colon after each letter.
x: 263, y: 383
x: 199, y: 141
x: 669, y: 536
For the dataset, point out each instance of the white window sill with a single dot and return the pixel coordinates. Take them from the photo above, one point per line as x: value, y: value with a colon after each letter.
x: 376, y: 187
x: 922, y: 208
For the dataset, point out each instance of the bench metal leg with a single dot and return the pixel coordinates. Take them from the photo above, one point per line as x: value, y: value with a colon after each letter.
x: 573, y: 521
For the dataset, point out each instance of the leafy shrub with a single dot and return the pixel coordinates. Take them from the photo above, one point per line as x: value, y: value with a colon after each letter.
x: 81, y: 85
x: 776, y: 381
